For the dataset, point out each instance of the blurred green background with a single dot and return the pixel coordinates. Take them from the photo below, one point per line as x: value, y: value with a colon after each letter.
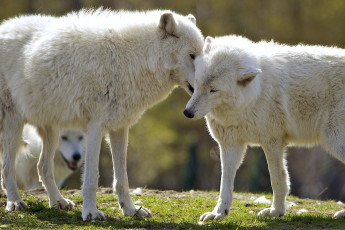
x: 167, y: 150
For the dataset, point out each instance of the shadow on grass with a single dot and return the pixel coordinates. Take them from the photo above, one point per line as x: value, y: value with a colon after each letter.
x: 301, y: 222
x: 43, y: 217
x: 55, y: 218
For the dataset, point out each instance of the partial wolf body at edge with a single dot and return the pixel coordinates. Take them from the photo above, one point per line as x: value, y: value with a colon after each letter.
x: 97, y: 70
x: 270, y: 95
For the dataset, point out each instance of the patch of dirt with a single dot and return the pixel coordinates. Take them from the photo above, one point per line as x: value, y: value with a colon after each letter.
x: 36, y: 192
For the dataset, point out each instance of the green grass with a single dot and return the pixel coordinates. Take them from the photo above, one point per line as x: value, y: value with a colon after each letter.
x: 170, y: 210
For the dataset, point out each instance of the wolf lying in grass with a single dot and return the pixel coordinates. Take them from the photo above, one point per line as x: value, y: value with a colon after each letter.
x: 270, y: 95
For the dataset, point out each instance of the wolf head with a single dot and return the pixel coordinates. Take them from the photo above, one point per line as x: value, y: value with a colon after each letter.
x: 182, y: 42
x: 227, y: 77
x: 71, y: 147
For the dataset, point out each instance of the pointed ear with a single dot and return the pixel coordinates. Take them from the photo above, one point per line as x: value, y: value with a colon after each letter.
x: 167, y: 23
x: 247, y: 77
x: 192, y: 18
x: 207, y: 45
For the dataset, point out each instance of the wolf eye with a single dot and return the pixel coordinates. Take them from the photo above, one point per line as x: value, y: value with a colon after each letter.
x: 191, y: 89
x: 192, y: 56
x: 213, y: 90
x: 65, y: 138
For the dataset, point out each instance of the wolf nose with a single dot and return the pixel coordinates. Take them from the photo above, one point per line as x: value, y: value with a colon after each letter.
x: 188, y: 114
x: 76, y: 156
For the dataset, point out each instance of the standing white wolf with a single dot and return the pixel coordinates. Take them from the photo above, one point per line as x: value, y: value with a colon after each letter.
x: 98, y: 70
x: 270, y: 95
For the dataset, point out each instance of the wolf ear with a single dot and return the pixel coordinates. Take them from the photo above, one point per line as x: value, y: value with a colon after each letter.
x: 248, y: 76
x: 192, y: 18
x: 167, y: 23
x: 207, y: 46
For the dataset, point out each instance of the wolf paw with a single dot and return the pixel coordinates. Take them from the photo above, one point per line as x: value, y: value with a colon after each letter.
x: 271, y: 212
x: 15, y: 205
x: 208, y: 216
x: 340, y: 214
x: 138, y: 211
x: 92, y: 215
x: 63, y: 204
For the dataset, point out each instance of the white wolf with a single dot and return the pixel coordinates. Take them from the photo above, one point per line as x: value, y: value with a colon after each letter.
x: 69, y: 157
x: 270, y: 95
x: 96, y: 70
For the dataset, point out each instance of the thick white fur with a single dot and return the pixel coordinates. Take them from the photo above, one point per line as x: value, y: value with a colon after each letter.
x: 270, y: 95
x: 69, y: 149
x: 97, y: 70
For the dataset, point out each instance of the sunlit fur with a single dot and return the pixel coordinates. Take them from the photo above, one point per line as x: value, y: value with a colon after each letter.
x: 271, y: 95
x: 96, y: 70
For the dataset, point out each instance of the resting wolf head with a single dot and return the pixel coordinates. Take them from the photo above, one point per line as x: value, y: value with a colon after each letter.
x: 227, y: 77
x: 71, y: 147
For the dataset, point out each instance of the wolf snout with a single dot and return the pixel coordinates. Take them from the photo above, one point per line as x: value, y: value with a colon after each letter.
x: 188, y: 113
x: 76, y: 156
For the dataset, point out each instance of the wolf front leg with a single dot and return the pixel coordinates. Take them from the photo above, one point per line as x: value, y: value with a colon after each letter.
x: 119, y: 141
x: 94, y: 135
x: 231, y: 158
x: 275, y: 155
x: 45, y: 168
